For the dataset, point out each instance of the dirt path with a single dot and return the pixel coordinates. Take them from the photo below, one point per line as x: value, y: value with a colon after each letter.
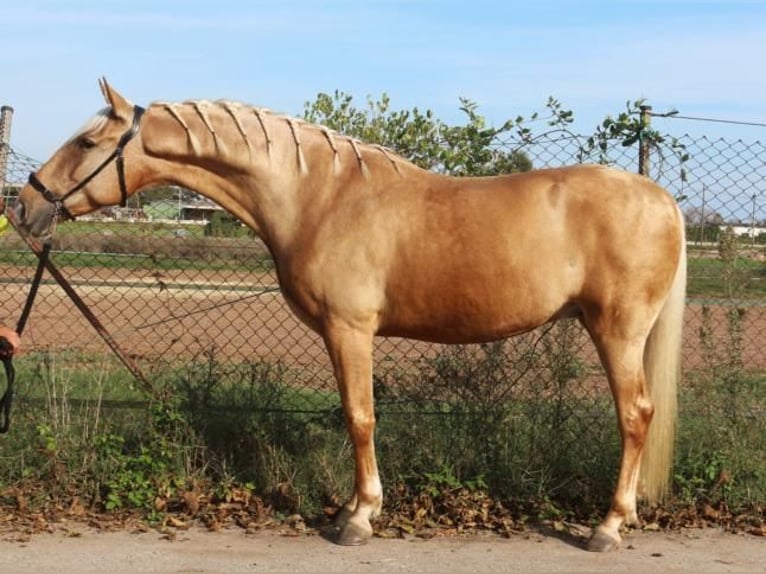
x: 83, y: 551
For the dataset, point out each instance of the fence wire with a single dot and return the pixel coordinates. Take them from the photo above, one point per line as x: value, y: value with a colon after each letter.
x: 181, y: 301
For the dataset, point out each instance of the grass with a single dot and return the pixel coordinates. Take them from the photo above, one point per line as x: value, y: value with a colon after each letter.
x: 72, y: 373
x: 156, y: 247
x: 136, y: 228
x: 549, y: 442
x: 707, y: 278
x: 206, y: 255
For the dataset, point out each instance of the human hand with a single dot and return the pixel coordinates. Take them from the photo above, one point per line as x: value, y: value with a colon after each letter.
x: 9, y: 342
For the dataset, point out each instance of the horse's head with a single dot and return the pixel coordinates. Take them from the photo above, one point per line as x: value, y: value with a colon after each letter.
x: 87, y: 172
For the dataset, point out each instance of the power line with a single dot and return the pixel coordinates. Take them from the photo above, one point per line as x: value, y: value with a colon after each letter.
x: 675, y: 116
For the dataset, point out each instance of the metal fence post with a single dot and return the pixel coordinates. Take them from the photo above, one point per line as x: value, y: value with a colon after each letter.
x: 6, y: 114
x: 643, y: 144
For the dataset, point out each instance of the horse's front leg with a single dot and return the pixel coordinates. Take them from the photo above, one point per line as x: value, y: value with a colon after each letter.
x: 350, y: 350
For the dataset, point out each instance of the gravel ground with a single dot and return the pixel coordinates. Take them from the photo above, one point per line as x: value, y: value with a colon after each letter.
x: 79, y: 550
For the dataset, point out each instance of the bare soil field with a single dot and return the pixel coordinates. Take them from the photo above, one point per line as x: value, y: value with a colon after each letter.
x: 79, y: 550
x: 184, y: 314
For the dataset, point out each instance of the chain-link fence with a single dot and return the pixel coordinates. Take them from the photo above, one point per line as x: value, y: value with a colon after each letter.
x: 175, y: 294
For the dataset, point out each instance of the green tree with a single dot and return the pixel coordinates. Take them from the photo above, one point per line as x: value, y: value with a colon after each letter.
x: 223, y: 224
x: 473, y: 148
x: 167, y: 192
x: 629, y: 128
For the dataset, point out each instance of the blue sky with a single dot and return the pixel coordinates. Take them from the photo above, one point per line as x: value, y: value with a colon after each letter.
x: 703, y: 58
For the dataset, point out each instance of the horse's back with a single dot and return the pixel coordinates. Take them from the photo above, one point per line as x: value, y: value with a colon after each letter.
x: 480, y: 258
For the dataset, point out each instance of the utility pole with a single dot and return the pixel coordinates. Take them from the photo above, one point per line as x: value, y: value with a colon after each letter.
x: 6, y: 115
x: 703, y: 220
x: 752, y: 223
x: 644, y: 148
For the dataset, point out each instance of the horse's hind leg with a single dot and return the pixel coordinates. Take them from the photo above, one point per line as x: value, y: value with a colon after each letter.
x: 622, y: 358
x: 351, y: 353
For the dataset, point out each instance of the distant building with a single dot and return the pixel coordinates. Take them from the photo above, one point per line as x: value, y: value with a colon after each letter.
x: 743, y: 230
x: 201, y: 210
x: 171, y: 209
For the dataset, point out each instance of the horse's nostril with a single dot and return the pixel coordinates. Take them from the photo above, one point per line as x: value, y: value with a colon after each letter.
x: 20, y: 212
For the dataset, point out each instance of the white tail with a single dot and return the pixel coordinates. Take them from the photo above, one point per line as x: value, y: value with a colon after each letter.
x: 662, y: 365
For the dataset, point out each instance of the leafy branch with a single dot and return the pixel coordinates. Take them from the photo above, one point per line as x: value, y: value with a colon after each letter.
x: 630, y: 128
x: 475, y: 148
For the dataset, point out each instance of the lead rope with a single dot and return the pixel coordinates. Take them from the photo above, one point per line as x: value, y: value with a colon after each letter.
x: 5, y: 347
x: 126, y: 360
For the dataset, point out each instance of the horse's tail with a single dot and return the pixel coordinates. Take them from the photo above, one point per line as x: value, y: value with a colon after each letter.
x: 662, y: 365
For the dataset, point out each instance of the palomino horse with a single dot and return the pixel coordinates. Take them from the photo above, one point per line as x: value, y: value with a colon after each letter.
x: 366, y: 243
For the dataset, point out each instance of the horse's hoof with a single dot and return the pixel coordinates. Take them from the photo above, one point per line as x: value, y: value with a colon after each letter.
x: 603, y: 542
x: 347, y: 535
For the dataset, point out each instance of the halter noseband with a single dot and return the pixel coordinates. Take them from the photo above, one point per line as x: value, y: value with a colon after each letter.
x: 58, y: 201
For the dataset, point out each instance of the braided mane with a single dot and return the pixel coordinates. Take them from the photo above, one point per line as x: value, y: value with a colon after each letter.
x: 253, y: 122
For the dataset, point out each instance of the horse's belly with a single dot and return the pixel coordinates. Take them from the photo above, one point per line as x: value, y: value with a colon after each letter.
x: 465, y: 320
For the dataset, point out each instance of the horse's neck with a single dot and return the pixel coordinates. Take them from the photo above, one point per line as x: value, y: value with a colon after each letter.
x: 239, y: 135
x: 271, y: 171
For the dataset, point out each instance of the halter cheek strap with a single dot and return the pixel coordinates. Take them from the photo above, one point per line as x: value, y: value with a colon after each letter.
x: 58, y: 201
x: 50, y: 196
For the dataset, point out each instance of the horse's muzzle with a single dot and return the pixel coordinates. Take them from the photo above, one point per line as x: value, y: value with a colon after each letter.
x: 36, y: 222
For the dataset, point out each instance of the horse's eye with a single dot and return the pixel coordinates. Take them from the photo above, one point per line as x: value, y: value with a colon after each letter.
x: 86, y: 143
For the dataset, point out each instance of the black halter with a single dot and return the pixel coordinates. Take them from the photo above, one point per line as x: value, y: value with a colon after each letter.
x: 58, y: 201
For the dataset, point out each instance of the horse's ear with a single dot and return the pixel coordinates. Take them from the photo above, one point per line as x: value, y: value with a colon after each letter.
x: 120, y: 106
x: 103, y: 85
